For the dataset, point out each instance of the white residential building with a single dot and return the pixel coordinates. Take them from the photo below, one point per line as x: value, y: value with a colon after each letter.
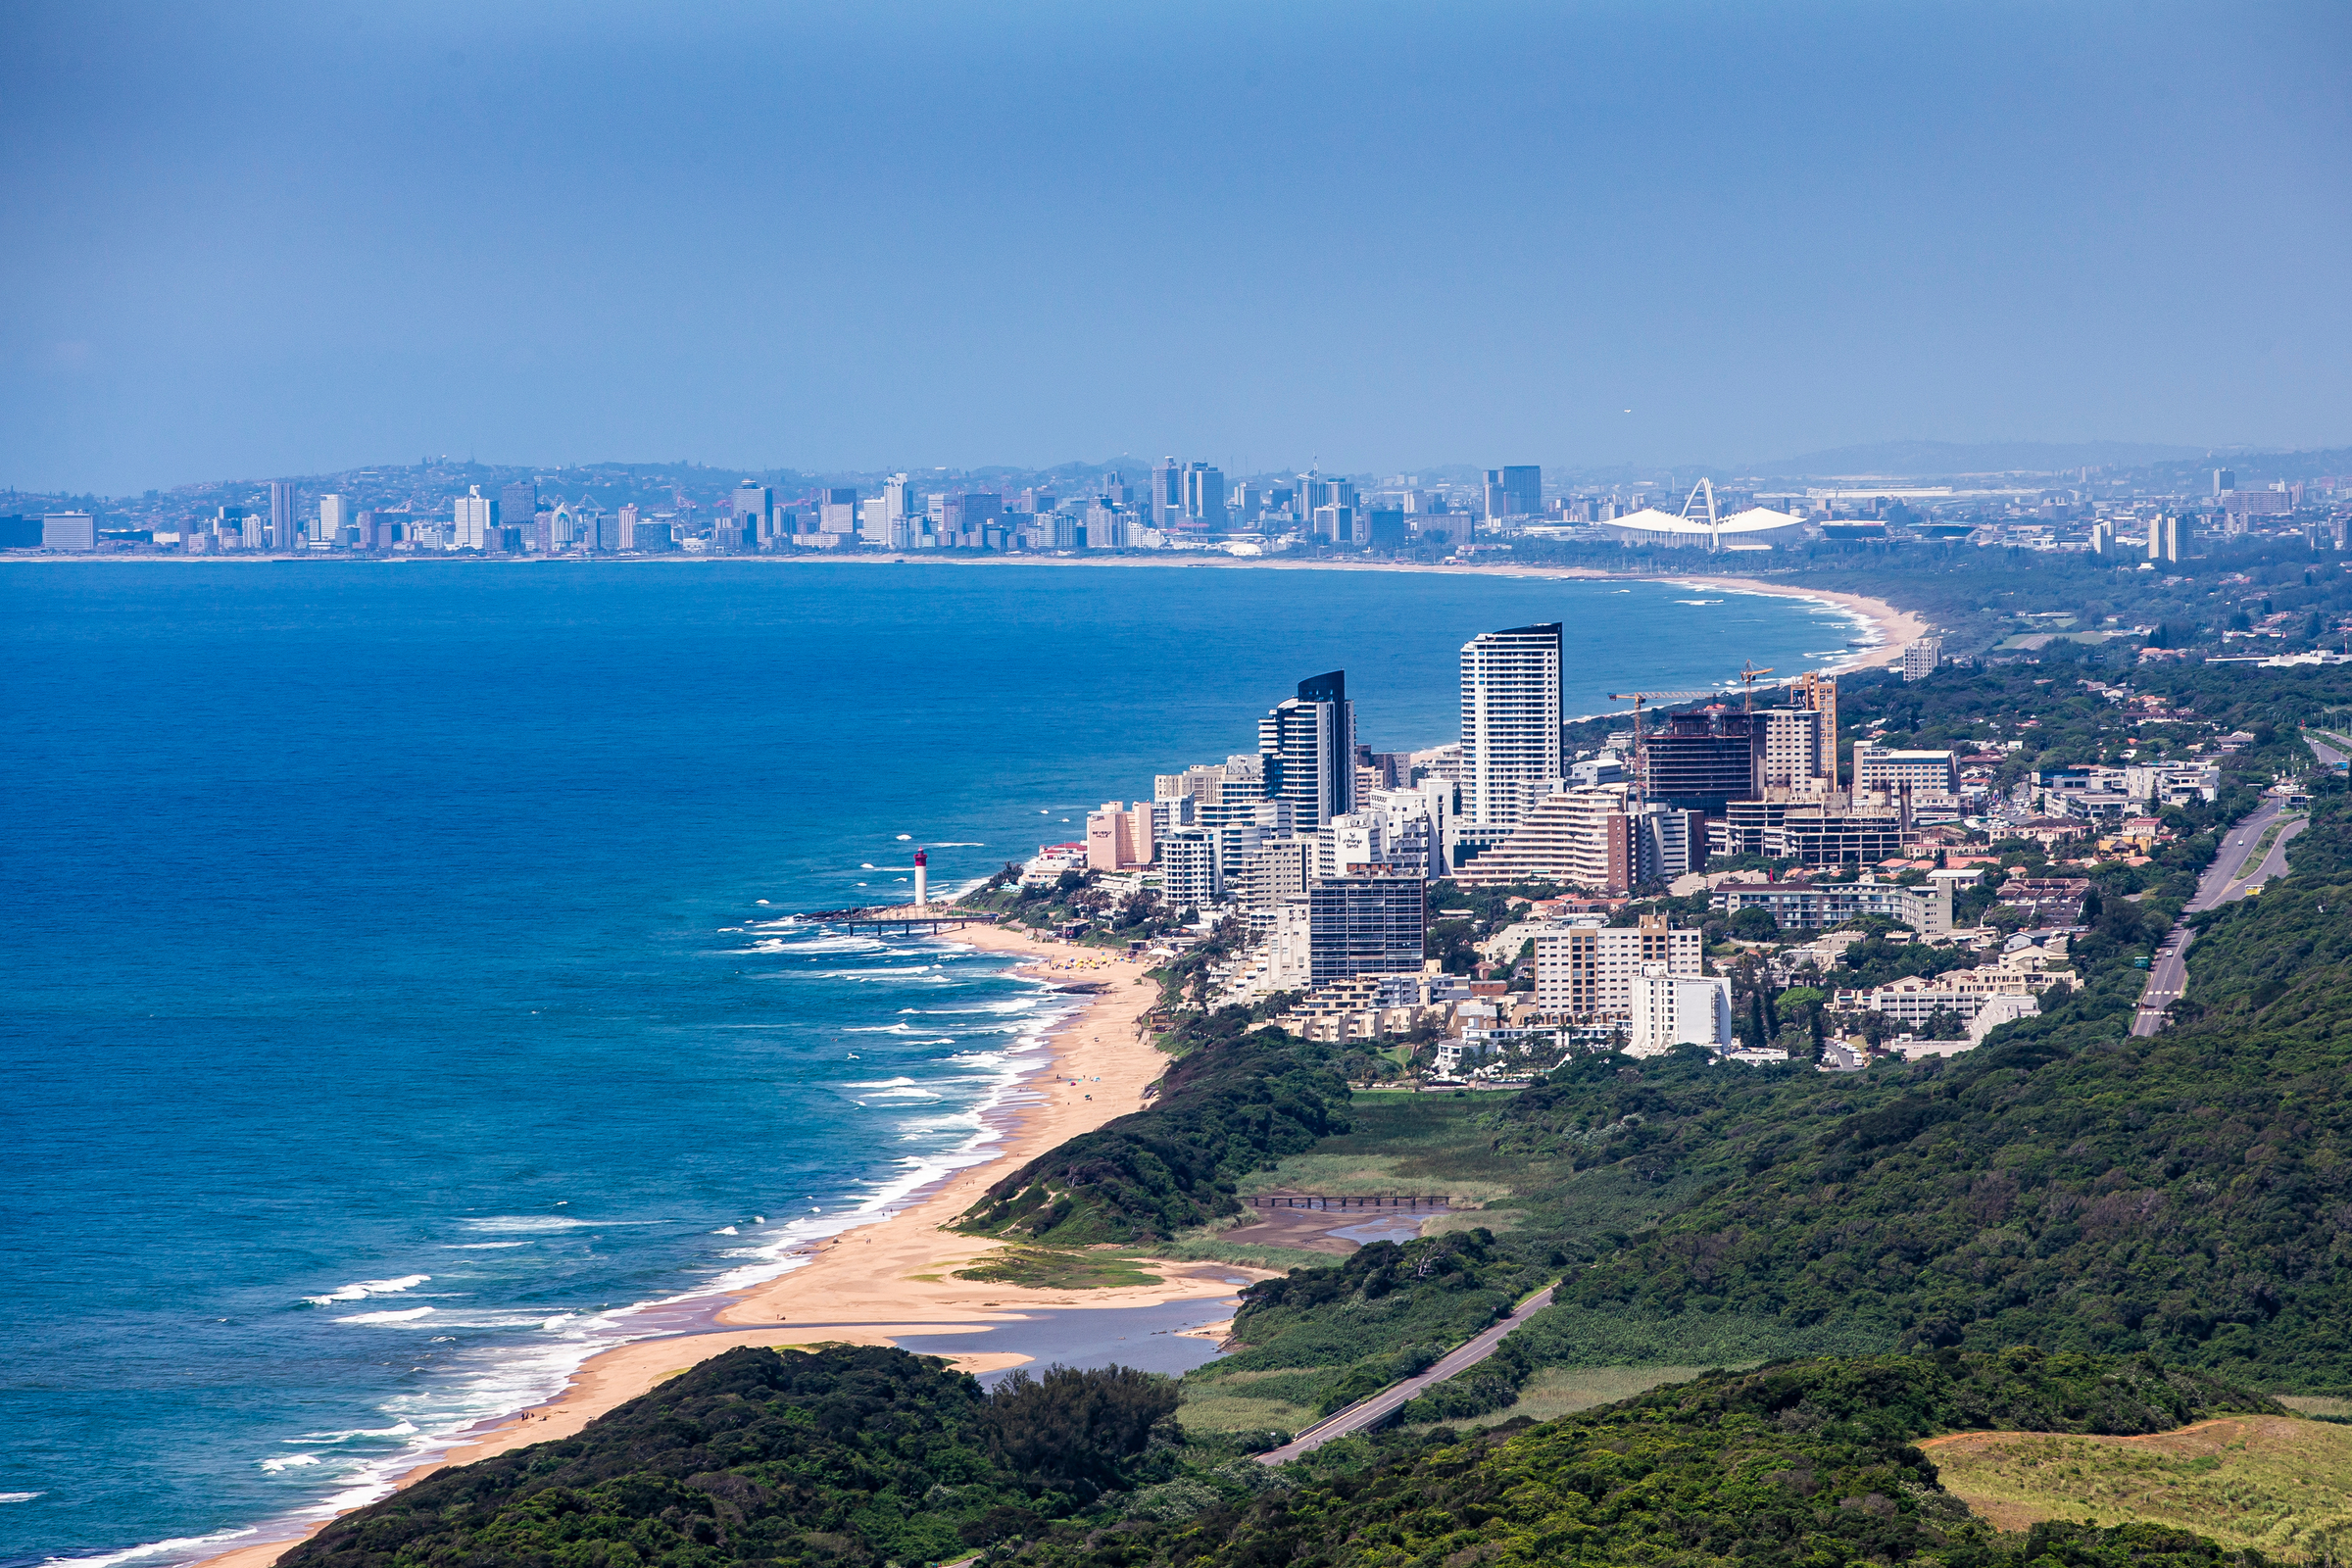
x: 1588, y: 969
x: 334, y: 516
x: 1510, y: 723
x: 1671, y: 1009
x: 475, y: 516
x: 1933, y: 776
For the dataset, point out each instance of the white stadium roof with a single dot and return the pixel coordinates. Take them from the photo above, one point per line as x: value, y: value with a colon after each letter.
x: 1755, y: 519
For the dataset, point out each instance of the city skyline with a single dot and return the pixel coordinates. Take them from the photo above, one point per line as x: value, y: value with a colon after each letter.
x: 1591, y: 235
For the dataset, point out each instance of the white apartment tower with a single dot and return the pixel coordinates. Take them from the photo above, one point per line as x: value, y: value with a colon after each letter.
x: 1510, y: 723
x: 334, y: 516
x: 477, y: 515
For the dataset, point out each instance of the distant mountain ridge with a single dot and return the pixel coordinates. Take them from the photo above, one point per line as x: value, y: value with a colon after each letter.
x: 1912, y: 459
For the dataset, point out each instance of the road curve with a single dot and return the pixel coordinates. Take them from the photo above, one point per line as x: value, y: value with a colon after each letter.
x: 2168, y: 976
x: 1380, y: 1406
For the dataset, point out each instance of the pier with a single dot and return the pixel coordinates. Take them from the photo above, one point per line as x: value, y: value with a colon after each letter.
x: 902, y: 924
x: 1345, y: 1202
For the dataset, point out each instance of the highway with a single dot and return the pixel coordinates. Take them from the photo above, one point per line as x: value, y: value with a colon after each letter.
x: 2226, y: 878
x: 1380, y: 1406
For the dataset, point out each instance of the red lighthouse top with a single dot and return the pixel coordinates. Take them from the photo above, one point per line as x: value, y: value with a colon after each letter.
x: 921, y: 858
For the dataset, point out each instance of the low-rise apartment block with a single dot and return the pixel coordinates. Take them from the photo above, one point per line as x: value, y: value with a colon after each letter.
x: 1819, y: 907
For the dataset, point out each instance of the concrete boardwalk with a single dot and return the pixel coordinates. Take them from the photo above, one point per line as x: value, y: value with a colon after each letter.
x: 1371, y: 1413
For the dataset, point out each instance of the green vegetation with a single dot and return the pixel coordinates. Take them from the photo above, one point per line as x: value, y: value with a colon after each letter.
x: 1057, y: 1268
x: 1801, y: 1463
x: 847, y: 1457
x: 1980, y: 597
x: 1233, y: 1101
x: 2280, y: 1486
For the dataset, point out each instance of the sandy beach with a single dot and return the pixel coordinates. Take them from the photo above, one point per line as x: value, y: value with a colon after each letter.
x: 1891, y: 628
x: 895, y: 1277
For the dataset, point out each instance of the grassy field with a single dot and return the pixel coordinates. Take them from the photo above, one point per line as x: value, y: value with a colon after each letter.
x: 1249, y: 1401
x: 2274, y: 1483
x: 1055, y: 1268
x: 1402, y: 1144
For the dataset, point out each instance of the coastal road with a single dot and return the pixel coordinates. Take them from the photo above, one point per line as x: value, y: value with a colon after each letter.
x: 1377, y: 1408
x: 2226, y: 878
x: 2332, y: 749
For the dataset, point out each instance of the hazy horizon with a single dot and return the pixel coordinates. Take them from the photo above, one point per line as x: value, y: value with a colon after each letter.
x: 278, y: 240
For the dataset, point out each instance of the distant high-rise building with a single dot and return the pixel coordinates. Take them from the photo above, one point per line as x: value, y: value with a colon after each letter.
x: 1190, y: 876
x: 334, y: 516
x: 1699, y: 759
x: 518, y: 504
x: 1167, y: 493
x: 1920, y: 658
x: 624, y: 528
x: 1204, y: 496
x: 964, y: 520
x: 2164, y: 538
x: 1118, y: 837
x: 474, y: 522
x: 2224, y: 479
x: 1516, y: 491
x: 752, y: 504
x: 1511, y: 722
x: 901, y: 508
x: 1819, y: 693
x: 75, y: 531
x: 1587, y: 971
x: 1307, y: 747
x: 1792, y: 749
x: 1371, y: 922
x: 283, y: 526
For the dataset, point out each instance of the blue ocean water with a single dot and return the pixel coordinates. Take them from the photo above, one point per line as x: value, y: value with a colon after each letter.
x: 399, y: 986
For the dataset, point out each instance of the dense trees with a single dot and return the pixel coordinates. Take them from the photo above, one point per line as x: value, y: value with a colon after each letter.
x: 849, y: 1456
x: 1236, y: 1099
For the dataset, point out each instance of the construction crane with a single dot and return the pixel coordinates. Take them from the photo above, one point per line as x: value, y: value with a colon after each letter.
x: 1749, y: 674
x: 1638, y: 698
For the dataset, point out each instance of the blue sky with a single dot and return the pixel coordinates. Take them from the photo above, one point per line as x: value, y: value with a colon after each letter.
x: 268, y: 239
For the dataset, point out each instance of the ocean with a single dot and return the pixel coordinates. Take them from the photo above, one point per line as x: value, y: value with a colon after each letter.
x: 401, y: 984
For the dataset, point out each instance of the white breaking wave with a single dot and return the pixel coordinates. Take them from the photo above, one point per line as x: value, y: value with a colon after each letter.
x: 363, y: 1288
x: 409, y: 1317
x: 510, y: 1224
x: 291, y: 1461
x: 479, y: 1246
x: 186, y: 1544
x: 21, y: 1496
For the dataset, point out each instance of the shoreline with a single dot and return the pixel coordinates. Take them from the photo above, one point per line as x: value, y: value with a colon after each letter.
x: 1893, y: 625
x: 892, y: 1276
x: 846, y: 1287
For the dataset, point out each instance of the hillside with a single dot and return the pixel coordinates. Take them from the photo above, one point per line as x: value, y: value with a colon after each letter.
x: 846, y: 1456
x: 1811, y: 1464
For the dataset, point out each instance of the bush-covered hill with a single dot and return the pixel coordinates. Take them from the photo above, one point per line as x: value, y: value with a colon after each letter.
x: 1234, y: 1102
x: 848, y: 1456
x: 1809, y: 1463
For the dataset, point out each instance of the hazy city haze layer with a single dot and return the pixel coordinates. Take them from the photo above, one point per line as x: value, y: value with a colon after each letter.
x: 270, y: 239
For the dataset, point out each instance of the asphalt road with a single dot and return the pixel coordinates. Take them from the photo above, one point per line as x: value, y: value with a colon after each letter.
x: 1377, y: 1408
x: 2226, y: 878
x: 2332, y: 749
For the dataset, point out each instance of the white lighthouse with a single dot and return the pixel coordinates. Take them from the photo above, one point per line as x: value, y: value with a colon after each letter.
x: 922, y: 892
